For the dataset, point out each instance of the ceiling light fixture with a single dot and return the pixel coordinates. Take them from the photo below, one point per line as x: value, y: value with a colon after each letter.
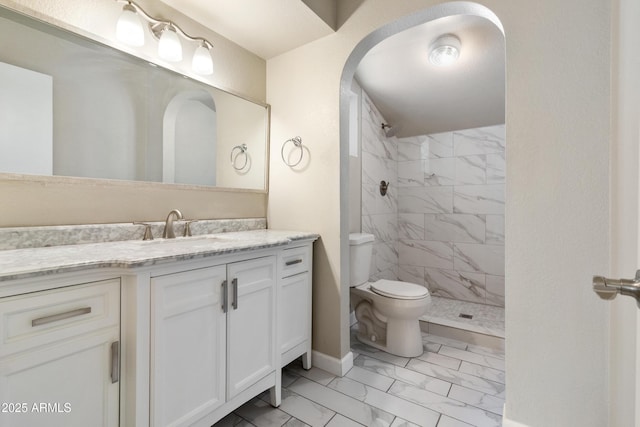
x: 445, y: 50
x: 129, y: 30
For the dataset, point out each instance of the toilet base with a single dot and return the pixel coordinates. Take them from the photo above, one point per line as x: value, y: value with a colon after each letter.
x: 388, y: 324
x: 407, y: 342
x: 404, y: 338
x: 405, y: 348
x: 367, y: 341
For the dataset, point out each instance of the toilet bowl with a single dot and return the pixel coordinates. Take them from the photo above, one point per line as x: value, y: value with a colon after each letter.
x: 387, y: 311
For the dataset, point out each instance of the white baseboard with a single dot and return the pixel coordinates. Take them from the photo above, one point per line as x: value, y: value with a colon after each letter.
x: 332, y: 365
x: 509, y: 423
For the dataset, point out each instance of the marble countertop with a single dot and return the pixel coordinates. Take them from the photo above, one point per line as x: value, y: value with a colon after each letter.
x: 24, y: 263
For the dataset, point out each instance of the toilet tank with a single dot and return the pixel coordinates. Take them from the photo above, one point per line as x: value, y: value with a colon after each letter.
x: 360, y: 253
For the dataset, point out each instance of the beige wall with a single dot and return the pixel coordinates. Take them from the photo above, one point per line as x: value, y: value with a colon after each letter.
x: 36, y: 201
x: 558, y: 133
x: 624, y: 219
x: 558, y: 137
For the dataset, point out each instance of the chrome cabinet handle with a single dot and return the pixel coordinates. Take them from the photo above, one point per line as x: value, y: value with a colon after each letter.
x: 60, y: 316
x: 115, y: 362
x: 293, y: 262
x: 609, y: 288
x: 234, y: 282
x: 225, y: 300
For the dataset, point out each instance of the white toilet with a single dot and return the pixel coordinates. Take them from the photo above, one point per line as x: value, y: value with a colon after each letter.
x: 387, y: 310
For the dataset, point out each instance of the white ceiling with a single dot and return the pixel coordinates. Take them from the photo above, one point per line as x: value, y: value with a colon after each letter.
x: 415, y: 97
x: 266, y: 28
x: 418, y: 98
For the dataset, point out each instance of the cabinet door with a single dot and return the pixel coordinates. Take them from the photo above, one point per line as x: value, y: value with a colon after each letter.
x: 71, y: 381
x: 188, y: 346
x: 251, y: 345
x: 294, y: 311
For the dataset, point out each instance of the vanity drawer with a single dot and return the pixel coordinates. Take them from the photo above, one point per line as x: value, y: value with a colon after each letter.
x: 295, y: 260
x: 45, y: 317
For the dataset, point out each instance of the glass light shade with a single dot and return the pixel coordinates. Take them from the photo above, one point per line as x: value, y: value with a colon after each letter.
x: 129, y: 28
x: 169, y: 46
x: 445, y: 50
x: 202, y: 63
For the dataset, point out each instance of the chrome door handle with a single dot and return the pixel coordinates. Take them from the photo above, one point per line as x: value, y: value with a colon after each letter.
x: 609, y: 288
x: 234, y: 303
x: 115, y: 362
x: 60, y: 316
x: 225, y: 297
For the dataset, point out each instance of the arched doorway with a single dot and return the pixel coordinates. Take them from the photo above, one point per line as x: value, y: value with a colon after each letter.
x: 470, y: 285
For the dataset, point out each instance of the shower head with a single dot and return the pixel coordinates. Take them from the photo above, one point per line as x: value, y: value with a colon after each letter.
x: 388, y: 130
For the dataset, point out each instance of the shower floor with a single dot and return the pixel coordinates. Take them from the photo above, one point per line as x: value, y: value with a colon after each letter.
x: 485, y: 319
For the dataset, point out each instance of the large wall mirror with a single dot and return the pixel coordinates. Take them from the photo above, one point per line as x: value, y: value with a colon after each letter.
x: 70, y: 106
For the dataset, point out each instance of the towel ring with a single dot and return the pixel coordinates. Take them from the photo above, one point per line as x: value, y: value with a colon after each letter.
x: 297, y: 142
x: 242, y: 150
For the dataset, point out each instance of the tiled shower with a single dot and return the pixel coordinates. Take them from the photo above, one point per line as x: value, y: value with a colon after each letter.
x: 441, y: 223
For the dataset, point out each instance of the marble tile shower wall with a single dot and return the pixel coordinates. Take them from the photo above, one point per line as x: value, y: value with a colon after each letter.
x: 379, y: 213
x: 451, y: 213
x: 441, y: 223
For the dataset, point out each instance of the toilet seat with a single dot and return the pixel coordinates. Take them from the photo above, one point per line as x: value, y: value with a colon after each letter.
x: 399, y: 290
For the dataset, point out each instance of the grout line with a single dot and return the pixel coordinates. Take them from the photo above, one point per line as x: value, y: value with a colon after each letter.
x: 334, y: 415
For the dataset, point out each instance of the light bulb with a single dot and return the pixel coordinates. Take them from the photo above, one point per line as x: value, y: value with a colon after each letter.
x: 445, y: 50
x: 128, y: 28
x: 202, y: 63
x: 169, y: 47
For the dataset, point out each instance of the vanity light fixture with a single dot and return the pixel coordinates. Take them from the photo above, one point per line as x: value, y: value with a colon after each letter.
x: 201, y: 62
x: 169, y: 46
x: 445, y: 50
x: 130, y: 30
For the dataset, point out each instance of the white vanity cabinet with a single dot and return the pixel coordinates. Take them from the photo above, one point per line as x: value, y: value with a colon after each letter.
x: 212, y: 337
x: 151, y: 334
x: 59, y: 356
x: 294, y: 305
x: 251, y: 323
x: 188, y: 358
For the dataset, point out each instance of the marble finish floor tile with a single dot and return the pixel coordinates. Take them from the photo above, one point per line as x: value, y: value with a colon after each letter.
x: 402, y: 374
x: 304, y: 409
x: 397, y: 406
x: 399, y: 422
x: 340, y: 421
x: 455, y: 377
x: 483, y: 372
x: 451, y: 422
x: 440, y: 359
x: 477, y: 399
x: 444, y: 405
x: 261, y: 414
x: 369, y: 378
x: 386, y: 390
x: 478, y: 359
x: 351, y: 407
x: 486, y: 319
x: 313, y: 374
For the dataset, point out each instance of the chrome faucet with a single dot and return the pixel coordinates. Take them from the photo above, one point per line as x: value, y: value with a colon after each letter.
x: 168, y: 232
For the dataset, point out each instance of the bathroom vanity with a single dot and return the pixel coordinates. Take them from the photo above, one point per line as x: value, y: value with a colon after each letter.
x: 151, y: 333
